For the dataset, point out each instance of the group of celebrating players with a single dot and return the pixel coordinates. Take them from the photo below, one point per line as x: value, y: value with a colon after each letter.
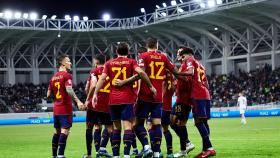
x: 123, y: 93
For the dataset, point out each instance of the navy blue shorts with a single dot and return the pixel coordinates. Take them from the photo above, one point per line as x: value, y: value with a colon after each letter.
x: 62, y: 121
x: 165, y: 118
x: 143, y: 110
x: 201, y: 108
x: 95, y: 117
x: 181, y: 111
x: 122, y: 112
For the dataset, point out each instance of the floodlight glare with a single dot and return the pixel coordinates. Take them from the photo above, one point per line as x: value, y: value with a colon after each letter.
x: 8, y: 14
x: 181, y: 1
x: 44, y: 17
x: 1, y: 14
x: 143, y: 10
x: 202, y: 5
x: 76, y: 18
x: 164, y: 5
x: 157, y: 6
x: 163, y: 14
x: 219, y: 2
x: 18, y: 15
x: 25, y: 15
x: 33, y: 16
x: 216, y: 29
x: 173, y: 3
x: 106, y: 16
x: 180, y: 10
x: 53, y: 17
x: 85, y: 18
x: 211, y: 3
x: 67, y: 17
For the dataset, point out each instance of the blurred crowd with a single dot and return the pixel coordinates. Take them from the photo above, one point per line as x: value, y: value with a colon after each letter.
x: 260, y: 86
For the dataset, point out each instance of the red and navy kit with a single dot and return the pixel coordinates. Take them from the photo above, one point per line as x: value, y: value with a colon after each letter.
x: 200, y: 94
x: 167, y: 96
x: 121, y: 99
x: 62, y: 101
x: 155, y: 65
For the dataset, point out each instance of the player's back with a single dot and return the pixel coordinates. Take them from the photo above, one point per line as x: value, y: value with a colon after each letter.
x: 120, y: 68
x: 169, y: 91
x: 183, y: 88
x: 62, y: 101
x: 155, y: 65
x: 199, y: 80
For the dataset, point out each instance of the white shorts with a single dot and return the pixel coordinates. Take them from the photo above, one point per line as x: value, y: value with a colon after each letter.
x: 242, y: 111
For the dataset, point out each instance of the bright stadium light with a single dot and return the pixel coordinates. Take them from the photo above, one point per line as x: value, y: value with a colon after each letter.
x: 67, y: 17
x: 1, y: 15
x: 143, y: 10
x: 8, y: 14
x: 106, y: 17
x: 163, y: 14
x: 25, y: 15
x: 76, y: 18
x: 216, y: 29
x: 44, y: 17
x: 53, y: 17
x: 180, y: 10
x: 211, y: 3
x: 164, y: 5
x: 173, y: 3
x: 219, y: 2
x: 85, y: 18
x: 33, y: 16
x: 181, y: 1
x: 202, y: 5
x: 17, y: 15
x: 157, y: 6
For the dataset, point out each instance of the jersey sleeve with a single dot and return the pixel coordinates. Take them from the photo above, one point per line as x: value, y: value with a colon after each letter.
x: 134, y: 64
x: 169, y: 65
x: 189, y: 64
x: 141, y: 60
x: 93, y: 76
x: 106, y: 68
x: 68, y: 80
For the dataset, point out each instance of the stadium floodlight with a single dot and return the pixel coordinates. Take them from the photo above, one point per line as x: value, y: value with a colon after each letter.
x: 17, y: 15
x: 44, y: 17
x: 219, y: 2
x: 198, y: 1
x: 181, y: 1
x: 67, y: 17
x: 163, y: 14
x: 157, y: 6
x: 1, y: 15
x: 85, y: 18
x: 25, y: 15
x: 53, y: 17
x: 143, y: 10
x: 211, y: 3
x: 180, y: 10
x: 8, y: 14
x: 33, y: 16
x: 164, y: 5
x: 202, y: 5
x: 216, y: 29
x: 106, y: 17
x: 173, y: 3
x: 76, y: 18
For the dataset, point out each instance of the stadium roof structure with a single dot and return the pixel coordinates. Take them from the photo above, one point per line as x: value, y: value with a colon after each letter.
x: 221, y: 33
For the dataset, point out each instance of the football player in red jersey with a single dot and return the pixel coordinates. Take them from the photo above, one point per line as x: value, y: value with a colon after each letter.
x: 155, y: 64
x: 98, y: 115
x: 182, y: 109
x: 122, y: 99
x: 60, y: 87
x: 200, y: 99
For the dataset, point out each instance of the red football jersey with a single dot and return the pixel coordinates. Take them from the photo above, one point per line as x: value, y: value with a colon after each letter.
x: 199, y: 80
x: 183, y: 88
x: 135, y: 88
x: 103, y: 94
x: 62, y: 101
x: 167, y: 96
x: 155, y: 65
x: 121, y: 68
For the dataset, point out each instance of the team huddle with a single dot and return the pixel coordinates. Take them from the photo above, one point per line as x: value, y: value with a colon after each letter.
x: 135, y: 98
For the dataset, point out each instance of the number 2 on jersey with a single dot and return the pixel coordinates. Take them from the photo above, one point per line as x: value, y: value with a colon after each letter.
x: 119, y: 72
x: 57, y: 95
x: 157, y: 75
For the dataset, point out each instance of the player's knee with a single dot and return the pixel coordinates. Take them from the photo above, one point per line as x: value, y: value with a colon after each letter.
x: 156, y: 121
x: 65, y: 131
x: 98, y: 127
x: 109, y: 129
x: 57, y: 131
x: 117, y: 125
x: 127, y: 125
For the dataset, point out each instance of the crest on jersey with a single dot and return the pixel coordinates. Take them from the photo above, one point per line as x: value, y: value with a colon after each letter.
x: 189, y: 64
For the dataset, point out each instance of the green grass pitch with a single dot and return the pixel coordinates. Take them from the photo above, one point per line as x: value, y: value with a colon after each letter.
x: 260, y: 138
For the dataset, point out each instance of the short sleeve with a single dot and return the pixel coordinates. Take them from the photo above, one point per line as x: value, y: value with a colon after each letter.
x: 189, y: 64
x: 93, y: 76
x: 168, y: 63
x: 134, y: 64
x: 141, y: 60
x: 68, y: 80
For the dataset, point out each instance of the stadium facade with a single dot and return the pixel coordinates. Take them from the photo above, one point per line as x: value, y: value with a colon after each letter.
x: 227, y: 37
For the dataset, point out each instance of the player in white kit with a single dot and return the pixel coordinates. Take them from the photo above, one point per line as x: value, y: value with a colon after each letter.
x: 242, y: 104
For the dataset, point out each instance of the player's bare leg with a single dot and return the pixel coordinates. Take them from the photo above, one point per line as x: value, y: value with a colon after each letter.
x: 243, y: 119
x: 62, y: 142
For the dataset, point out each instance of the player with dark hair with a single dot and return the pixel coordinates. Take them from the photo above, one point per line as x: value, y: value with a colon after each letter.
x: 98, y: 114
x: 182, y: 109
x: 60, y: 87
x: 200, y: 99
x: 155, y: 65
x: 121, y: 99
